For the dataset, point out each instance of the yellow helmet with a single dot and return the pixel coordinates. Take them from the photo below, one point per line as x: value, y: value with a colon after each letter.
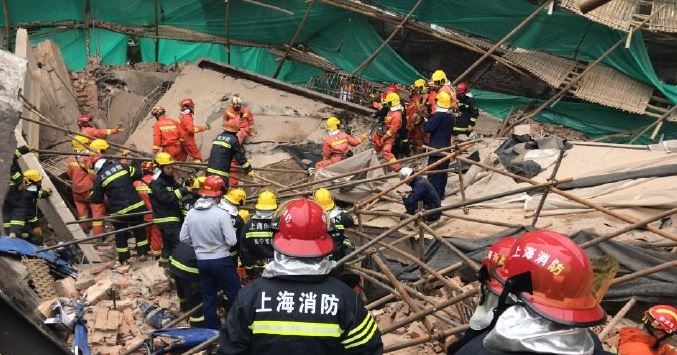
x: 32, y: 176
x: 333, y: 123
x: 266, y: 201
x: 198, y: 182
x: 393, y: 99
x: 98, y: 146
x: 80, y: 143
x: 244, y: 214
x: 443, y: 100
x: 419, y: 84
x: 163, y: 158
x: 323, y: 198
x: 236, y: 196
x: 439, y: 76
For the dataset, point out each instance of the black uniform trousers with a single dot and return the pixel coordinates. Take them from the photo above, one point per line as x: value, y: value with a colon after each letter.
x: 121, y: 246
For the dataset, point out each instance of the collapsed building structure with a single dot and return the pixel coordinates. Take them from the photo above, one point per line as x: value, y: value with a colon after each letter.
x: 611, y: 198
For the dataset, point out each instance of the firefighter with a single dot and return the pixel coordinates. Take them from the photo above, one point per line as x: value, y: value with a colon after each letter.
x: 86, y: 126
x: 549, y: 299
x: 209, y: 230
x: 384, y: 137
x: 421, y: 191
x: 189, y: 129
x: 440, y: 127
x: 166, y: 197
x: 192, y: 196
x: 243, y: 116
x: 143, y: 189
x: 23, y: 216
x: 15, y: 173
x: 297, y: 307
x: 439, y: 83
x: 490, y: 289
x: 256, y: 237
x: 183, y: 268
x: 80, y: 171
x: 416, y: 111
x: 14, y: 192
x: 659, y: 324
x: 337, y: 145
x: 468, y: 111
x: 167, y: 136
x: 225, y: 148
x: 339, y: 220
x: 114, y: 182
x: 231, y: 202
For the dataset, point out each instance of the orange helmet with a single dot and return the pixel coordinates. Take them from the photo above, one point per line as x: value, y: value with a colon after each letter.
x: 494, y: 258
x: 187, y: 103
x: 302, y: 230
x: 662, y: 317
x: 553, y: 276
x: 84, y: 120
x: 212, y: 187
x: 232, y: 126
x: 157, y: 111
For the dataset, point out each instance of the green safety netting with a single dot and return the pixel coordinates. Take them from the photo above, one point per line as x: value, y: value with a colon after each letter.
x: 591, y: 119
x: 563, y: 33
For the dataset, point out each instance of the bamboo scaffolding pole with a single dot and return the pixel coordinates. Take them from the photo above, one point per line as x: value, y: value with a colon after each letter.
x: 553, y: 175
x: 400, y: 289
x: 637, y: 225
x: 439, y: 336
x: 552, y: 101
x: 293, y: 38
x: 461, y: 185
x: 78, y: 241
x: 204, y: 345
x: 617, y: 318
x: 104, y: 218
x: 268, y: 6
x: 8, y: 24
x: 501, y: 41
x: 647, y: 271
x: 227, y: 28
x: 575, y: 198
x: 658, y: 123
x: 463, y: 218
x: 385, y: 42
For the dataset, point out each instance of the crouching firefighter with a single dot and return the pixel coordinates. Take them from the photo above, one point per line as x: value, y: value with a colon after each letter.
x: 183, y: 268
x: 297, y: 307
x: 337, y: 145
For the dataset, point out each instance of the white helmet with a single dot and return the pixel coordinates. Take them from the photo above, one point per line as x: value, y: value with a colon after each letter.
x: 405, y: 172
x: 236, y: 100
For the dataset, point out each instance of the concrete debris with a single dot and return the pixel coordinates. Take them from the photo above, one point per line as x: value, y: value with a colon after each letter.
x: 66, y: 288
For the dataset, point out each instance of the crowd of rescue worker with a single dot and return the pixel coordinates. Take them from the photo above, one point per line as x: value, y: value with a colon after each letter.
x: 273, y: 272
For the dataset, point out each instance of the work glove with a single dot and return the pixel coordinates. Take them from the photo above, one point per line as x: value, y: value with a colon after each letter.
x: 37, y: 231
x: 47, y: 191
x: 251, y: 174
x: 208, y: 127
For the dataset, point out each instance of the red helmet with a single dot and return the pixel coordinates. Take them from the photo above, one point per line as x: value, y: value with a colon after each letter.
x: 495, y: 258
x: 187, y: 103
x: 84, y: 121
x: 302, y: 230
x: 147, y: 167
x: 212, y: 187
x: 561, y: 279
x: 662, y: 317
x: 232, y: 125
x: 461, y: 88
x: 390, y: 89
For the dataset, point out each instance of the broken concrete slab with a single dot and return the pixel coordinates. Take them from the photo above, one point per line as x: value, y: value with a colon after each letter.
x: 99, y: 291
x: 66, y: 288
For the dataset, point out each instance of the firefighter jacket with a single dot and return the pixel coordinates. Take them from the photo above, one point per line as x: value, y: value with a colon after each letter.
x: 15, y: 174
x: 81, y: 173
x: 244, y: 116
x: 255, y: 241
x: 28, y: 202
x: 314, y: 314
x: 432, y: 98
x: 440, y: 126
x: 144, y: 193
x: 238, y: 225
x: 166, y: 197
x: 188, y: 202
x: 392, y: 124
x: 166, y: 132
x: 100, y: 133
x: 338, y: 143
x: 414, y: 109
x: 114, y: 180
x: 225, y: 148
x: 422, y: 190
x: 339, y: 221
x: 183, y: 262
x: 188, y: 128
x: 639, y: 342
x: 468, y: 114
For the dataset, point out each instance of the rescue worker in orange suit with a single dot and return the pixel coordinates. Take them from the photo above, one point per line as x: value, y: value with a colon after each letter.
x: 385, y: 135
x: 244, y: 117
x: 337, y: 144
x: 439, y: 83
x: 81, y: 173
x: 143, y: 188
x: 189, y: 129
x: 468, y: 111
x: 114, y: 181
x: 86, y: 126
x: 549, y: 297
x: 225, y: 149
x: 167, y: 136
x: 416, y: 111
x: 166, y: 197
x: 297, y: 307
x: 660, y: 323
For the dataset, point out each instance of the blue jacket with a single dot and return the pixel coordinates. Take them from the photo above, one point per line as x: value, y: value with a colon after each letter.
x: 422, y: 190
x: 440, y: 126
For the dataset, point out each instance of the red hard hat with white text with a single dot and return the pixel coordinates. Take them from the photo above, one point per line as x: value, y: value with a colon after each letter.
x: 302, y: 230
x: 495, y: 258
x: 662, y: 317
